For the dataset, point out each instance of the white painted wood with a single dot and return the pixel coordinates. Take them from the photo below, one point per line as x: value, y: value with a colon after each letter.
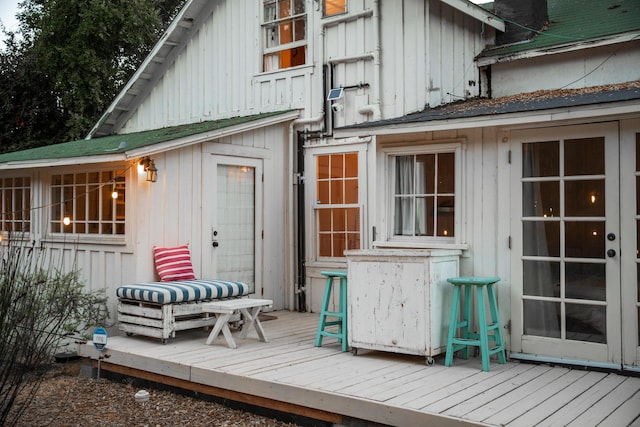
x: 223, y: 311
x: 399, y: 300
x: 372, y: 385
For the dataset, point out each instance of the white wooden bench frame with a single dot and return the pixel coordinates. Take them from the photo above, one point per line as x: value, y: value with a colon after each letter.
x: 249, y: 308
x: 164, y: 320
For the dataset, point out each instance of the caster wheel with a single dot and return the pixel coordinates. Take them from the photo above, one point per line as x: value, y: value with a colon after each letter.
x: 430, y: 361
x: 354, y: 351
x: 129, y: 334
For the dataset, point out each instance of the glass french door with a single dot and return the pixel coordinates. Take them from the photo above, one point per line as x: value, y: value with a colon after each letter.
x: 232, y: 206
x: 574, y: 245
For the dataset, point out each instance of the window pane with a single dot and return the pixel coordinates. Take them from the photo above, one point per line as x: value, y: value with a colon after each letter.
x: 322, y: 167
x: 353, y: 219
x: 324, y: 245
x: 339, y: 220
x: 541, y: 159
x: 402, y: 225
x: 337, y: 170
x: 586, y: 323
x: 425, y: 174
x: 337, y: 196
x: 541, y: 278
x: 585, y: 281
x: 445, y: 216
x: 286, y: 32
x: 332, y: 7
x: 584, y: 239
x: 541, y: 199
x: 575, y: 161
x: 284, y: 7
x: 298, y: 6
x: 446, y: 173
x: 351, y: 165
x: 323, y: 192
x: 404, y: 175
x: 584, y: 198
x: 541, y: 318
x: 541, y: 238
x: 300, y: 29
x: 351, y: 191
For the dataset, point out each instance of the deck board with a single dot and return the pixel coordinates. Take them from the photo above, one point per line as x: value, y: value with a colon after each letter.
x: 388, y: 388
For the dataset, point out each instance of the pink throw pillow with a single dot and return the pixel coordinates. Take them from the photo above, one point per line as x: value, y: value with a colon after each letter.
x: 173, y: 263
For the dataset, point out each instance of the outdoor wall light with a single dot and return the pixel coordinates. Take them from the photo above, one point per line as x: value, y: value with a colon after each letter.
x: 147, y: 166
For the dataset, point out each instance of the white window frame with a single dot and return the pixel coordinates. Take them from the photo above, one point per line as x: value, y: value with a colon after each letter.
x: 119, y: 239
x: 312, y: 244
x: 265, y: 24
x: 385, y: 235
x: 22, y: 234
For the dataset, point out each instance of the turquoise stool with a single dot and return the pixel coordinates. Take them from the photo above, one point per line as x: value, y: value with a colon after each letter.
x: 340, y: 315
x: 481, y: 339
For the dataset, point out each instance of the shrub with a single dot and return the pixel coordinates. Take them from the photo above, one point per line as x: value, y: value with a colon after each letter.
x: 41, y: 307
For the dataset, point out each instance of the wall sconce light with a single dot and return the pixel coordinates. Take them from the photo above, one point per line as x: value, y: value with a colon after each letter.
x: 149, y: 167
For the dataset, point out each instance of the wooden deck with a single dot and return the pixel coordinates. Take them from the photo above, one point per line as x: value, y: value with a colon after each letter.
x: 289, y: 374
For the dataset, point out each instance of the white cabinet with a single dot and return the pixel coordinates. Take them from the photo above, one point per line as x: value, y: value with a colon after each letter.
x: 399, y: 300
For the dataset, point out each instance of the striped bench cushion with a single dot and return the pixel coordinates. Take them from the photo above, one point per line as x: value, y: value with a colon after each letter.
x: 182, y: 291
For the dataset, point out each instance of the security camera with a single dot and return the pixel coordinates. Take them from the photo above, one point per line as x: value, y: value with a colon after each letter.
x: 336, y: 107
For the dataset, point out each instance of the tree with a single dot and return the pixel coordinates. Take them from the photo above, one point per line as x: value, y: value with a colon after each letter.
x: 41, y: 305
x: 69, y: 61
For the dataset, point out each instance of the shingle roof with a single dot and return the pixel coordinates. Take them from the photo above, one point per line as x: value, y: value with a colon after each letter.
x: 118, y: 144
x: 527, y: 102
x: 573, y: 21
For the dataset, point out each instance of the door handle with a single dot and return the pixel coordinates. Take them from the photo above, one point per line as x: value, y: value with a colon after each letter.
x: 611, y: 253
x: 214, y: 238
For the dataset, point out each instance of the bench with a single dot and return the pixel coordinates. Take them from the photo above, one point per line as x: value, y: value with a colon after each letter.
x: 225, y: 309
x: 160, y: 309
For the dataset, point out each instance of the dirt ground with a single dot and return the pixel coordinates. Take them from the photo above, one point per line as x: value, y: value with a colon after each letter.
x: 68, y: 399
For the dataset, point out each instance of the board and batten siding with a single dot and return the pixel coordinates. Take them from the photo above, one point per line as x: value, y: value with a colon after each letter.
x: 171, y: 211
x: 406, y: 55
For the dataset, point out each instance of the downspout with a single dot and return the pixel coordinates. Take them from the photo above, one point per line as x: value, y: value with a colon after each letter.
x: 297, y: 231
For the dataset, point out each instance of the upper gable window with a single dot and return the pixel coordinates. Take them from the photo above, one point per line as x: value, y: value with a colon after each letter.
x: 334, y: 7
x: 284, y: 30
x: 88, y: 203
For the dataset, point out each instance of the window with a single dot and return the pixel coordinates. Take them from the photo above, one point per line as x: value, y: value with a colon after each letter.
x: 424, y: 186
x: 84, y: 203
x: 338, y: 211
x: 285, y: 34
x: 16, y: 204
x: 334, y: 7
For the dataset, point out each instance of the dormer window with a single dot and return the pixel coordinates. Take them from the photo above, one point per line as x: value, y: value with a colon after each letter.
x: 284, y: 30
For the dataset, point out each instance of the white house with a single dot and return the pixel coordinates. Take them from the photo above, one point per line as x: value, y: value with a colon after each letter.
x: 286, y: 133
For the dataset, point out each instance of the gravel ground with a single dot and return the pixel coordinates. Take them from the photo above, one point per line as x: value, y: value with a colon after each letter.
x: 66, y: 399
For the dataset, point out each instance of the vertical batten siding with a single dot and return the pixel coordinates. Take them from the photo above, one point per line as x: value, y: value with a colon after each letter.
x: 429, y: 48
x: 218, y: 75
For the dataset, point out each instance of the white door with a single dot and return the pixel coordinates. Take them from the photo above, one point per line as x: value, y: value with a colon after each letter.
x: 630, y: 242
x: 568, y: 229
x: 232, y: 202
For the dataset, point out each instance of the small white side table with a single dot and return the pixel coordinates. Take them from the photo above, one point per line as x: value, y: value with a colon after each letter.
x: 250, y: 309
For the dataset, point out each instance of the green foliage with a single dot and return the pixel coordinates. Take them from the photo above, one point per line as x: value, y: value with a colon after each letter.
x: 69, y: 62
x: 40, y: 307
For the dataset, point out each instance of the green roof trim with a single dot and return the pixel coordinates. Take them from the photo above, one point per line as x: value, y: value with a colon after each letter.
x: 117, y: 144
x: 572, y: 21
